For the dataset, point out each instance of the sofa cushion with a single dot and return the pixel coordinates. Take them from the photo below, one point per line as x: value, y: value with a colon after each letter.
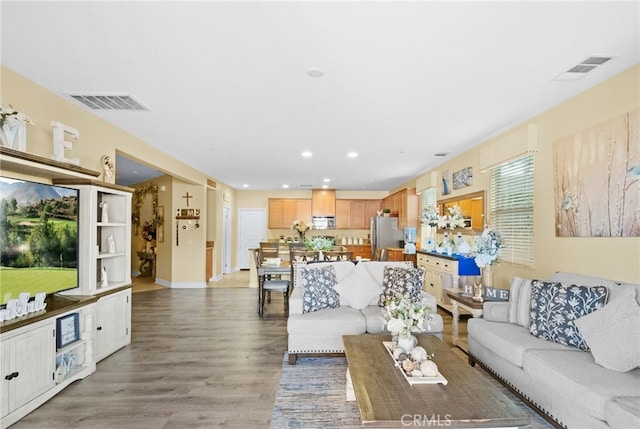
x: 328, y: 322
x: 612, y: 332
x: 520, y: 301
x: 358, y: 288
x: 555, y: 307
x: 507, y: 340
x: 623, y: 412
x: 399, y: 281
x: 317, y: 288
x: 576, y: 375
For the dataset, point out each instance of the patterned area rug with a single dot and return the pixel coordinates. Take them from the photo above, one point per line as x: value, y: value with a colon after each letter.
x: 311, y: 395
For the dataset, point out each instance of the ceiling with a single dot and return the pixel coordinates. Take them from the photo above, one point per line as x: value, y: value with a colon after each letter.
x: 229, y: 88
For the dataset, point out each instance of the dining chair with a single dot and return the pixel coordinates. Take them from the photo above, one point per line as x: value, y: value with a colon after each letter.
x: 337, y: 255
x: 269, y: 249
x: 272, y: 285
x: 304, y: 255
x: 381, y: 254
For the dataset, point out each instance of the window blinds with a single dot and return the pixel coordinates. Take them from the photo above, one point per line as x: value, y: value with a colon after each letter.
x: 511, y: 211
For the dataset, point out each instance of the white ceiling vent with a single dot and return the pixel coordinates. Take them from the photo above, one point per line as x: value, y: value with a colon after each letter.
x: 579, y: 70
x: 109, y: 101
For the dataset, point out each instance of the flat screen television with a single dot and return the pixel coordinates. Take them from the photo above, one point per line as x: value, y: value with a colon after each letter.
x: 38, y: 238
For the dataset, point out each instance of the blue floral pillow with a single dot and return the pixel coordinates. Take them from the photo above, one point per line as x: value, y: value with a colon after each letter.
x: 398, y: 281
x: 556, y: 306
x: 317, y: 289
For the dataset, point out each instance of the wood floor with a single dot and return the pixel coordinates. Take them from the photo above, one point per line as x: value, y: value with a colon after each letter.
x: 199, y: 358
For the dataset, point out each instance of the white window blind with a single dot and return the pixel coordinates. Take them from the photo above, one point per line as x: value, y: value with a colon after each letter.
x: 428, y: 197
x: 511, y: 210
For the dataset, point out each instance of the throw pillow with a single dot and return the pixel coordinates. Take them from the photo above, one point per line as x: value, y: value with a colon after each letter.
x: 556, y: 306
x: 397, y: 281
x: 612, y: 332
x: 519, y: 301
x: 317, y: 289
x: 358, y: 288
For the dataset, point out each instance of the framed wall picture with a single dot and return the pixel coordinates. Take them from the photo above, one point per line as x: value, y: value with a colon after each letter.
x: 160, y: 227
x: 446, y: 183
x: 67, y: 330
x: 462, y: 178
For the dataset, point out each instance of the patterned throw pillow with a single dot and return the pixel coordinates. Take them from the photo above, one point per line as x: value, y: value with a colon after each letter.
x: 400, y: 281
x: 317, y: 289
x: 556, y: 306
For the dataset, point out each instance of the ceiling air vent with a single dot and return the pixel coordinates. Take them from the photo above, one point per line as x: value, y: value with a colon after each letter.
x: 579, y: 70
x: 109, y: 101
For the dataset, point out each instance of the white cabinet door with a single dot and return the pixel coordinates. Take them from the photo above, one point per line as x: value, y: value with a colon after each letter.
x: 27, y: 366
x: 112, y: 327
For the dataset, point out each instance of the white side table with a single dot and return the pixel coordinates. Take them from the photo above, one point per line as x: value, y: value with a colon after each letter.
x: 466, y: 302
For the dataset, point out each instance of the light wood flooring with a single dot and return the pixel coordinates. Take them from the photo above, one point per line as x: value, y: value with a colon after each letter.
x: 199, y: 358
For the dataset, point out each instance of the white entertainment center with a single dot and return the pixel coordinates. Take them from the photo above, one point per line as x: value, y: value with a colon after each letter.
x: 45, y: 351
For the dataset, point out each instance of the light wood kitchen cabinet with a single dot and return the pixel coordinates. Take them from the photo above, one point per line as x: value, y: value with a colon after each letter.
x: 323, y: 202
x: 355, y: 214
x: 343, y: 214
x: 361, y: 250
x: 404, y: 205
x: 283, y: 211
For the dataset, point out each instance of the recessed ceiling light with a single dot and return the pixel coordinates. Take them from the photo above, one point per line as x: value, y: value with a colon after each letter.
x: 307, y: 154
x: 245, y: 185
x: 352, y: 154
x: 315, y: 72
x: 135, y: 172
x: 327, y: 180
x: 325, y: 186
x: 285, y: 186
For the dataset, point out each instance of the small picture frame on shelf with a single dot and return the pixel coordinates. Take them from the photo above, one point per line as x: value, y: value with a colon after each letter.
x: 67, y: 330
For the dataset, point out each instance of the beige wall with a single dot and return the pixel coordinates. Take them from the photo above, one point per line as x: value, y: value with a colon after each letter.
x: 615, y: 258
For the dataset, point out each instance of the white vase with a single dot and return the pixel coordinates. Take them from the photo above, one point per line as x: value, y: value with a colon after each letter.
x: 487, y: 276
x: 407, y: 342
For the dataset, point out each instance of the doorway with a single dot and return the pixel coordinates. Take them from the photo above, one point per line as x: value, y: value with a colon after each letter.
x: 252, y: 229
x: 226, y: 240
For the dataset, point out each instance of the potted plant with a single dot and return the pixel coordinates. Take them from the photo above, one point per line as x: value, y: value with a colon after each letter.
x: 386, y: 212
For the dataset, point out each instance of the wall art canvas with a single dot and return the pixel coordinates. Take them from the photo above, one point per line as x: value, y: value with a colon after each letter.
x: 597, y: 180
x: 462, y: 178
x: 446, y: 183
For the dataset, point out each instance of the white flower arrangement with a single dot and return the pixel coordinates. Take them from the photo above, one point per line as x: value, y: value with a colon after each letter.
x: 453, y: 219
x: 430, y: 215
x: 487, y: 248
x: 11, y: 116
x: 403, y: 316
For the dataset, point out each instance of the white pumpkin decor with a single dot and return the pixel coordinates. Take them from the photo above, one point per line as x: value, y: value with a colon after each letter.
x: 428, y: 368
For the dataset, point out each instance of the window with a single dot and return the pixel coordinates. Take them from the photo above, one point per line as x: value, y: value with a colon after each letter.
x: 511, y: 211
x: 427, y: 198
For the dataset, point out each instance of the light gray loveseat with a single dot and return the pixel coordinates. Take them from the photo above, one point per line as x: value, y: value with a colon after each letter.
x: 571, y: 386
x: 359, y: 287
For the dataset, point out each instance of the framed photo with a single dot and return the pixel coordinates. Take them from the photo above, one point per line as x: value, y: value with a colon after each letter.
x: 67, y: 330
x: 463, y: 178
x: 446, y: 185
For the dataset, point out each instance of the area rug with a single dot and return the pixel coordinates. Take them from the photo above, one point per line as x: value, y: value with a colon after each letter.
x: 311, y: 395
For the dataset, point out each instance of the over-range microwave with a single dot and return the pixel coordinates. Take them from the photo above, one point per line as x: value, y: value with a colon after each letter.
x: 323, y: 222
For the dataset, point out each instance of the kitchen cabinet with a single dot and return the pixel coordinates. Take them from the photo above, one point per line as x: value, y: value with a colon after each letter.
x: 283, y: 211
x: 404, y: 205
x: 355, y: 214
x: 397, y: 254
x: 360, y: 250
x: 323, y: 202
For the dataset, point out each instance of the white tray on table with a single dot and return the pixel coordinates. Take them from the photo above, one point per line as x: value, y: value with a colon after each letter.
x: 438, y: 379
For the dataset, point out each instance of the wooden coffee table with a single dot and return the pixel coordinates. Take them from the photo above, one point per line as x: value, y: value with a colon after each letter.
x: 386, y: 399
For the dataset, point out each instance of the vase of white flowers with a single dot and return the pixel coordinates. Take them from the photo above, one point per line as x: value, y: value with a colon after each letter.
x: 487, y: 252
x: 404, y: 317
x: 301, y: 227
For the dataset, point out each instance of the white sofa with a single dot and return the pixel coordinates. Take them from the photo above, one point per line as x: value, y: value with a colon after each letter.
x: 570, y: 386
x: 359, y: 287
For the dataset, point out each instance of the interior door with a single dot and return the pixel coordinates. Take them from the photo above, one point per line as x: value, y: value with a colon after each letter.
x: 251, y: 231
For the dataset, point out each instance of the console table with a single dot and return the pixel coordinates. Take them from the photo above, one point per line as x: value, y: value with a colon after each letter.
x: 466, y: 302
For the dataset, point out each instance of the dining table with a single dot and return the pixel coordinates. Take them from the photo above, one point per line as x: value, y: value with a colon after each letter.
x: 267, y: 269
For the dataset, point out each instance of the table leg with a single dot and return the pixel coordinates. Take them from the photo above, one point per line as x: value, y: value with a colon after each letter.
x: 455, y: 313
x: 260, y: 297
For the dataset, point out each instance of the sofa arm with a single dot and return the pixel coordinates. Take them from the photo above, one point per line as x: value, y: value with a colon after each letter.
x: 430, y: 301
x: 495, y: 311
x: 295, y: 301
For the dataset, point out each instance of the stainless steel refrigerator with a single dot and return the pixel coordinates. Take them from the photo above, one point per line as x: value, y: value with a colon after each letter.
x: 384, y: 233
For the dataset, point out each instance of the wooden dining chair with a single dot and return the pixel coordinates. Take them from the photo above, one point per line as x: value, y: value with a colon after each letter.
x: 272, y: 285
x: 269, y: 249
x: 304, y: 255
x: 337, y: 255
